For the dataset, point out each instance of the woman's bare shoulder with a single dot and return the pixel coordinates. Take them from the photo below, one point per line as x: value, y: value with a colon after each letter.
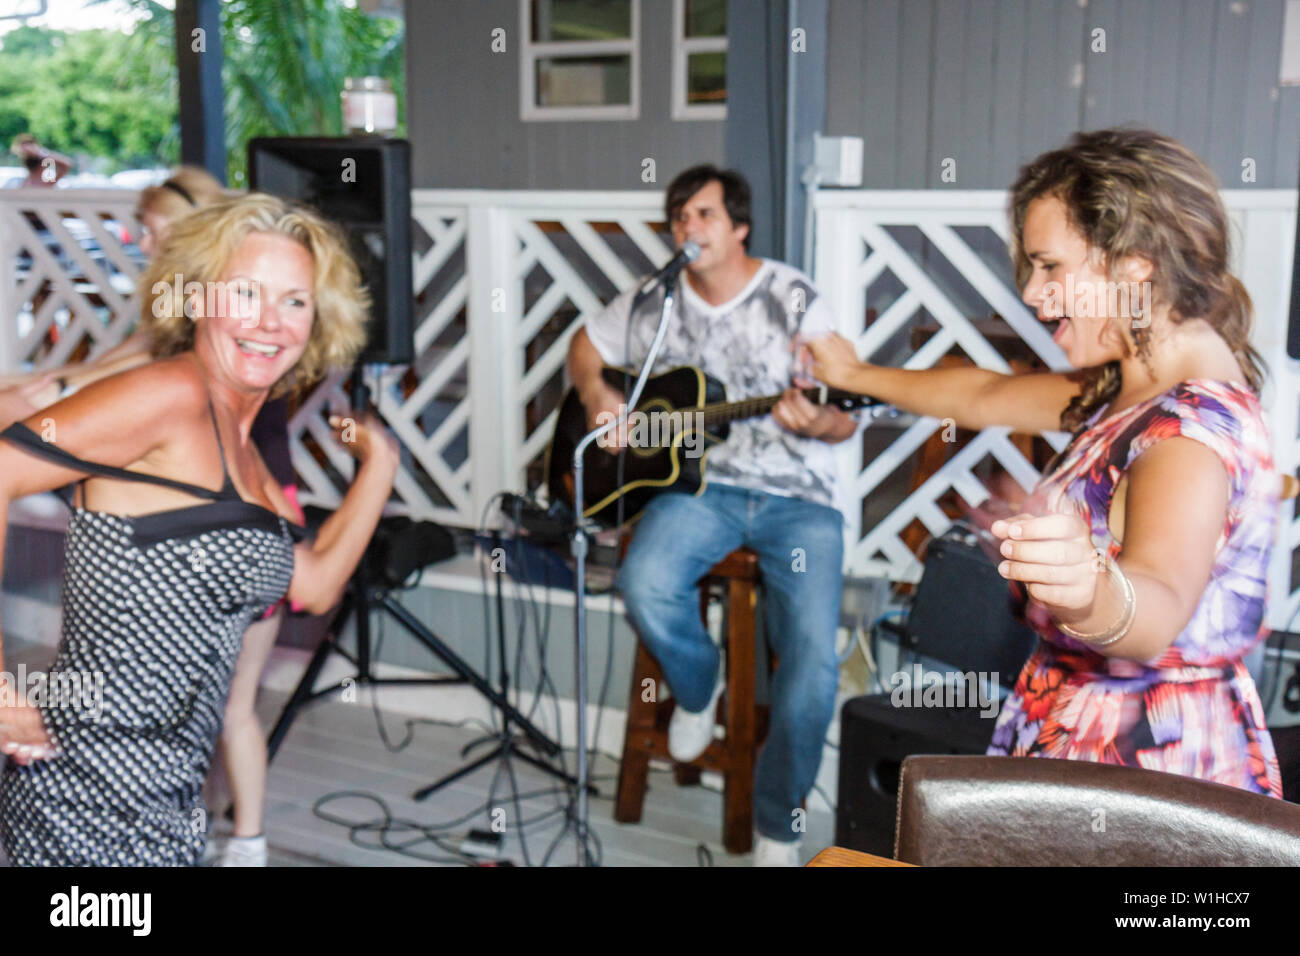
x: 123, y: 419
x: 174, y: 383
x: 150, y: 398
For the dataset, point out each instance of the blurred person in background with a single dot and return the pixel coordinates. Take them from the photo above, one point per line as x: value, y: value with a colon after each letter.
x: 44, y: 166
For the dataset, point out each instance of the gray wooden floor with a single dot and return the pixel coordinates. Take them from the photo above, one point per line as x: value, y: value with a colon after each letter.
x: 336, y: 748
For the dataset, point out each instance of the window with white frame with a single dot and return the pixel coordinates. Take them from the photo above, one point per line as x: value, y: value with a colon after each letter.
x: 579, y: 59
x: 699, y: 59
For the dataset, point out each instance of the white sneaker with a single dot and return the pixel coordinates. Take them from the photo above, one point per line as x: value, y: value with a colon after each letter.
x: 769, y: 852
x: 689, y: 733
x: 212, y: 850
x: 245, y: 851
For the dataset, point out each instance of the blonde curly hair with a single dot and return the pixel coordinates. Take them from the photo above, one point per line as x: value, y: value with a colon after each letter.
x: 197, y: 249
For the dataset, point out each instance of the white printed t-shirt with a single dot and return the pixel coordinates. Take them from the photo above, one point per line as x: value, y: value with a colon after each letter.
x: 745, y: 344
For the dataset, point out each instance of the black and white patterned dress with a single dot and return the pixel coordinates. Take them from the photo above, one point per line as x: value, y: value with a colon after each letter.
x: 157, y: 605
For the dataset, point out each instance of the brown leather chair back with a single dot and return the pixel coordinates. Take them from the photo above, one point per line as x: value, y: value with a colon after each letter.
x: 1032, y: 811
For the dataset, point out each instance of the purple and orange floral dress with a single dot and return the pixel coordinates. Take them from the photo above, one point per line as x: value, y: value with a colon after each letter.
x: 1193, y: 710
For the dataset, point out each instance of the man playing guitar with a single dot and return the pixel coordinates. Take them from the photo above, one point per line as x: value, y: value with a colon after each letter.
x: 770, y: 487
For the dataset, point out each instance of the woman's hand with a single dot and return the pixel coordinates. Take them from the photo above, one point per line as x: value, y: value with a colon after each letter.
x: 1055, y: 558
x: 831, y: 359
x: 22, y: 730
x: 25, y: 399
x: 365, y: 438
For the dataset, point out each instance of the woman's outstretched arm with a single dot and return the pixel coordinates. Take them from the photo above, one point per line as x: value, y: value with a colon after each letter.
x: 973, y: 397
x: 24, y: 395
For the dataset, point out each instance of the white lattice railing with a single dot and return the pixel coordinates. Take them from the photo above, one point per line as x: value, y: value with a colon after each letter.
x: 503, y: 279
x: 65, y: 273
x: 901, y: 252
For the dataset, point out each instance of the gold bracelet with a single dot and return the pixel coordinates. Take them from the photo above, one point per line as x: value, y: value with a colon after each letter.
x: 1121, y: 627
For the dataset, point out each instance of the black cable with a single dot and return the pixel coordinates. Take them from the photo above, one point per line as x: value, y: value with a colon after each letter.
x: 505, y: 736
x: 544, y: 680
x: 1274, y: 673
x: 487, y: 615
x: 386, y: 824
x: 409, y: 722
x: 386, y: 828
x: 527, y: 606
x: 609, y: 666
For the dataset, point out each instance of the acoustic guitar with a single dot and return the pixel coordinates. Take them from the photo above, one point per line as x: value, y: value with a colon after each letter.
x: 682, y: 414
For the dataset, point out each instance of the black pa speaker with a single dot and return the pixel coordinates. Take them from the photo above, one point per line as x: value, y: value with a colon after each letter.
x: 875, y: 738
x: 963, y: 617
x: 963, y: 613
x: 364, y: 185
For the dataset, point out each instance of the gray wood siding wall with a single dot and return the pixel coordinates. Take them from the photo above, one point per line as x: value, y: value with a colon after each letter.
x: 463, y: 110
x: 992, y: 83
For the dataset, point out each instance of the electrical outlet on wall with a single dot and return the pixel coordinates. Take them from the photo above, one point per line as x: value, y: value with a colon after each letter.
x: 838, y: 160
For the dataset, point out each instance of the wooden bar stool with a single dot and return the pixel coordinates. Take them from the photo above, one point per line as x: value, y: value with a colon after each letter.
x: 746, y: 723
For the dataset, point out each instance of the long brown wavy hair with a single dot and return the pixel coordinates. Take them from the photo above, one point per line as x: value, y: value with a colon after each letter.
x: 1137, y: 192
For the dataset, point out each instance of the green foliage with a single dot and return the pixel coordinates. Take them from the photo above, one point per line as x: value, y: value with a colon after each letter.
x: 285, y: 63
x: 31, y: 41
x: 115, y: 95
x: 88, y: 93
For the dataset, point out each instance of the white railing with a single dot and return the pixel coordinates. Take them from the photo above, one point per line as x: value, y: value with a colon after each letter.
x: 65, y: 273
x: 502, y: 280
x: 509, y: 275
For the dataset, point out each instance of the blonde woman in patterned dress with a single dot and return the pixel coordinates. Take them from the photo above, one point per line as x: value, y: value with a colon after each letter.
x: 180, y: 537
x: 1145, y: 547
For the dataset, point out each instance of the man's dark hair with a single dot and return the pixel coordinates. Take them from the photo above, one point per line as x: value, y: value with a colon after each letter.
x: 735, y: 193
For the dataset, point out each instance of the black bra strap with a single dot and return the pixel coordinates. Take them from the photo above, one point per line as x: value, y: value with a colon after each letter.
x: 28, y: 440
x: 221, y: 449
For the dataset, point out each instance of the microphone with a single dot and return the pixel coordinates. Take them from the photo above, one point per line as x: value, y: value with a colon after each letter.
x: 689, y: 252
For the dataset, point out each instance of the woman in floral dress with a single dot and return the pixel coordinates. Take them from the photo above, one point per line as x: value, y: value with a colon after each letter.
x: 1144, y: 550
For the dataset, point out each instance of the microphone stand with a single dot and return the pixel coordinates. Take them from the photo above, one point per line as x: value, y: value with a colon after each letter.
x: 579, y: 551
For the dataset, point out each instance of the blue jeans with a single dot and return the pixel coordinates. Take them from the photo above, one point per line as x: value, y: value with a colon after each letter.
x: 800, y: 551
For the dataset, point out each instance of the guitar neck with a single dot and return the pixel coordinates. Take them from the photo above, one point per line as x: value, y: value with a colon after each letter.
x: 721, y: 413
